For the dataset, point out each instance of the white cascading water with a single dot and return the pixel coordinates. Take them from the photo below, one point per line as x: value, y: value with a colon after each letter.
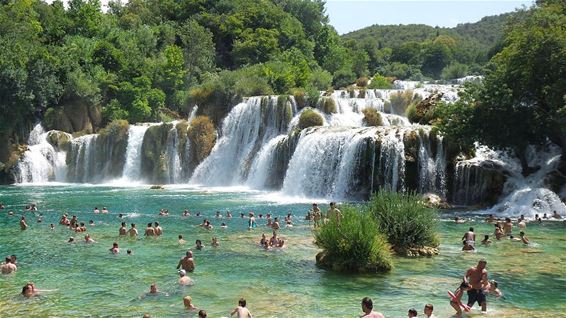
x: 132, y: 167
x: 432, y: 170
x: 239, y: 134
x: 41, y: 162
x: 83, y: 166
x: 261, y: 167
x: 392, y: 158
x: 527, y: 195
x: 323, y: 161
x: 173, y: 156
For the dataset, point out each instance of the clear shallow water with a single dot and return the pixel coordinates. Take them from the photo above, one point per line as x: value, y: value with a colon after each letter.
x: 284, y: 283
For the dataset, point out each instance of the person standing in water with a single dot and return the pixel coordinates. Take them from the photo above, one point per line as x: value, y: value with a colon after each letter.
x: 133, y: 231
x: 241, y: 310
x: 23, y: 224
x: 187, y: 263
x: 367, y: 308
x: 123, y: 231
x: 477, y: 278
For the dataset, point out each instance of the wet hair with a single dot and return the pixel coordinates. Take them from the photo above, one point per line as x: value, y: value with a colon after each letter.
x: 521, y: 233
x: 156, y: 223
x: 413, y: 311
x: 486, y: 237
x: 367, y: 303
x: 149, y: 224
x: 133, y: 224
x: 494, y: 283
x: 511, y: 237
x: 82, y: 223
x: 114, y: 244
x: 8, y: 259
x: 129, y: 251
x: 471, y: 229
x: 123, y: 223
x: 201, y: 313
x: 180, y: 236
x: 26, y: 288
x: 507, y: 220
x: 429, y: 306
x: 242, y: 302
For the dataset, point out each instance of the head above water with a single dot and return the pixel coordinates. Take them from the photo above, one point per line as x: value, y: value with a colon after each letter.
x: 367, y: 303
x: 482, y: 263
x: 242, y: 302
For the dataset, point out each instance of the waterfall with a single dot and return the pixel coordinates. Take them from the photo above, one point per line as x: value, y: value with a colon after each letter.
x: 245, y: 130
x: 41, y: 162
x: 173, y: 156
x: 132, y: 167
x: 83, y: 169
x: 263, y: 163
x: 324, y: 160
x: 392, y: 159
x: 432, y: 170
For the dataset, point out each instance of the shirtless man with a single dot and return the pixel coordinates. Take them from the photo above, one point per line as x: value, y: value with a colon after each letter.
x: 367, y: 308
x: 96, y: 210
x: 23, y: 224
x: 469, y: 237
x: 334, y: 213
x: 181, y: 239
x: 74, y: 222
x: 477, y: 278
x: 242, y: 311
x: 428, y: 311
x: 149, y: 231
x: 158, y: 229
x: 508, y: 227
x: 8, y: 267
x: 556, y: 215
x: 115, y: 249
x: 89, y: 239
x: 275, y: 224
x: 123, y: 230
x: 183, y: 278
x: 187, y: 263
x: 133, y: 231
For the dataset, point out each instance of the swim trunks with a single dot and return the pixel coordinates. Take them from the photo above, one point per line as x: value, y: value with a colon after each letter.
x: 475, y: 295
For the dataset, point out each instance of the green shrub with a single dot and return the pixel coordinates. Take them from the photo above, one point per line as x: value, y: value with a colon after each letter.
x: 310, y: 118
x: 404, y: 219
x: 328, y: 106
x: 300, y: 97
x: 400, y: 101
x: 380, y: 82
x: 353, y: 244
x: 372, y: 117
x: 362, y: 93
x: 454, y: 70
x: 202, y: 136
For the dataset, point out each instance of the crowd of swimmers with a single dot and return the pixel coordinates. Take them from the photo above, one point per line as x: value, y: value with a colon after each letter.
x: 475, y: 281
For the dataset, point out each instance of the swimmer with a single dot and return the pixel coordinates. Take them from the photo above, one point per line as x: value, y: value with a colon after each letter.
x: 129, y: 252
x: 52, y: 226
x: 158, y: 229
x: 115, y: 249
x: 91, y: 223
x: 215, y: 242
x: 198, y: 245
x: 23, y: 224
x: 498, y: 231
x: 251, y: 222
x: 181, y: 239
x: 120, y: 215
x: 81, y: 228
x: 73, y: 223
x: 556, y: 215
x: 228, y: 214
x: 275, y: 224
x: 288, y: 224
x: 71, y: 240
x: 88, y: 239
x: 428, y: 308
x: 273, y: 241
x: 149, y: 231
x: 104, y: 210
x: 96, y: 210
x: 123, y: 231
x: 223, y: 225
x: 29, y: 291
x: 202, y: 313
x: 8, y: 267
x: 187, y: 262
x: 486, y: 241
x: 186, y: 213
x: 459, y: 220
x: 184, y: 279
x: 153, y: 291
x: 367, y: 308
x: 493, y: 290
x: 469, y: 237
x: 524, y: 238
x: 456, y: 302
x: 263, y: 241
x: 241, y: 310
x: 217, y: 215
x: 187, y: 302
x: 490, y: 219
x: 133, y: 231
x: 412, y: 313
x: 508, y: 227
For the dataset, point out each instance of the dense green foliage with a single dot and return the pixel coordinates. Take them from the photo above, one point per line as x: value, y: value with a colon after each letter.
x: 404, y: 219
x: 420, y: 51
x: 522, y: 98
x: 354, y: 244
x: 310, y: 118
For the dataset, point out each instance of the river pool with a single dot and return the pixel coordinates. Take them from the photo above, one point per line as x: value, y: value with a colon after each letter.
x: 88, y: 281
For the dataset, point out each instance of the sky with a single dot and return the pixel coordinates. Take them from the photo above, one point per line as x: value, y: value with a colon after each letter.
x: 350, y: 15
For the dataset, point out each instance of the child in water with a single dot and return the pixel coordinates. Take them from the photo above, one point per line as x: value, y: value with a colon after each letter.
x: 456, y: 301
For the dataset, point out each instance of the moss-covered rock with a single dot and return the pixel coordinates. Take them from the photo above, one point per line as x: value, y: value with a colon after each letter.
x: 300, y: 97
x: 362, y: 81
x: 75, y: 115
x: 372, y: 117
x: 328, y: 105
x: 154, y: 165
x: 310, y: 118
x: 202, y: 135
x: 362, y: 93
x: 423, y: 112
x: 59, y: 139
x: 55, y: 119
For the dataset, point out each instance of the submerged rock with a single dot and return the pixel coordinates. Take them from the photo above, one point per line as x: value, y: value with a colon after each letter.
x: 157, y: 187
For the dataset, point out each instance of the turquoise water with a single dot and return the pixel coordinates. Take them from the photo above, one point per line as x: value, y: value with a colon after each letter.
x: 88, y: 281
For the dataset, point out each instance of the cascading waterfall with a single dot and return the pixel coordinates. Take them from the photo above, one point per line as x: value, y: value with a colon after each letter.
x: 432, y: 170
x: 245, y: 130
x: 173, y: 156
x: 392, y: 159
x: 41, y: 162
x: 82, y: 170
x: 264, y: 161
x: 132, y: 167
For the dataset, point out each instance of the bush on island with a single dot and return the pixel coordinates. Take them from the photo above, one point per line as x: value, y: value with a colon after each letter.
x: 329, y: 106
x: 362, y: 81
x: 405, y: 220
x: 372, y: 117
x: 380, y: 82
x: 202, y: 136
x: 310, y: 118
x: 354, y: 244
